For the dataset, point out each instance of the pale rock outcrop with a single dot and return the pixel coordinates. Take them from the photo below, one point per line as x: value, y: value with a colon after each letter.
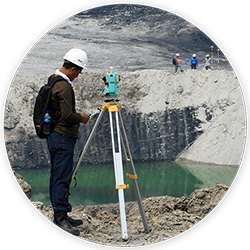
x: 196, y: 115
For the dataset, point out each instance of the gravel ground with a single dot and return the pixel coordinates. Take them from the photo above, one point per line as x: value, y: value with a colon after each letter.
x: 167, y: 217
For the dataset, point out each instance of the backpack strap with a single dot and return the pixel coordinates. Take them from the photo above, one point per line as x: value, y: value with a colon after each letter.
x: 52, y: 80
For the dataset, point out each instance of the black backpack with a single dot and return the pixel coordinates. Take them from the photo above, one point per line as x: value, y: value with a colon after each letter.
x: 173, y: 61
x: 42, y: 104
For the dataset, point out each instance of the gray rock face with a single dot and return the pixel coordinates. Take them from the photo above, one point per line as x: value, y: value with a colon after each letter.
x: 127, y: 37
x: 197, y: 115
x: 187, y: 116
x: 152, y: 136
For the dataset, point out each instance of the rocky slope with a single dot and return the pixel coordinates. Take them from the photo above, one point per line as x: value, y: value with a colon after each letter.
x: 167, y: 217
x: 127, y: 37
x: 196, y: 116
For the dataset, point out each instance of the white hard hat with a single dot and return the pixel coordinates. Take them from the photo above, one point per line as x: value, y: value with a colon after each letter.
x: 77, y: 57
x: 207, y: 55
x: 194, y: 55
x: 177, y: 54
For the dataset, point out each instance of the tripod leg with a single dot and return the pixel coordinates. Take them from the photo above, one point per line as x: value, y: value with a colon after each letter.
x: 117, y: 157
x: 87, y: 143
x: 132, y: 172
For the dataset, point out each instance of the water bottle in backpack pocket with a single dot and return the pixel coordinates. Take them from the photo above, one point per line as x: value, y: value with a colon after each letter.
x: 47, y: 123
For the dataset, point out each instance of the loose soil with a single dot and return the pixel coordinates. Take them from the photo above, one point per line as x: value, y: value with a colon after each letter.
x: 167, y: 217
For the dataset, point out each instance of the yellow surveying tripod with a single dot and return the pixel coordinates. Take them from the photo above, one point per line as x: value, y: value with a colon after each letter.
x: 114, y: 108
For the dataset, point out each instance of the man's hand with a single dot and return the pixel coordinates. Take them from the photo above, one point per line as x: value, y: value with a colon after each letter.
x: 85, y: 117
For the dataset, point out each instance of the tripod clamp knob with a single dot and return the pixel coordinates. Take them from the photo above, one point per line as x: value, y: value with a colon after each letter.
x: 122, y: 186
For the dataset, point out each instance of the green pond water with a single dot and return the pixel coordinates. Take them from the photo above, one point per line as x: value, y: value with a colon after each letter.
x: 96, y: 184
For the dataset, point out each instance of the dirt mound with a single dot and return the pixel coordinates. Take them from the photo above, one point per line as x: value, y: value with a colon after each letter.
x: 167, y: 217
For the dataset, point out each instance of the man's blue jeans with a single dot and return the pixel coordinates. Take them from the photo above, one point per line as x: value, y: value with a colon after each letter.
x: 193, y: 66
x: 61, y: 150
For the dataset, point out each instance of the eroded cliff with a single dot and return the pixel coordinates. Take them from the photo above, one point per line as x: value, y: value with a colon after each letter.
x: 195, y: 116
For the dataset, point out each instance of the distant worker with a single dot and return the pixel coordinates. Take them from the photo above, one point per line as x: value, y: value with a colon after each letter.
x: 194, y: 62
x: 208, y: 62
x: 176, y: 63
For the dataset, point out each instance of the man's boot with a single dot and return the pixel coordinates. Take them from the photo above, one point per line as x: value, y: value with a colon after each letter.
x: 60, y: 219
x: 73, y: 222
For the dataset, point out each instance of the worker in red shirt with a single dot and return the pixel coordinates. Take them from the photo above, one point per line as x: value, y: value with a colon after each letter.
x: 176, y: 63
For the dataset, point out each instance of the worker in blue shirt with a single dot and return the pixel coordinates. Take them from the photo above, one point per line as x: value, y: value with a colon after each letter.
x: 194, y: 62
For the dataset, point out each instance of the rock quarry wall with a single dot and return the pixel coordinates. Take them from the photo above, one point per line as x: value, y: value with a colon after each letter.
x: 196, y: 115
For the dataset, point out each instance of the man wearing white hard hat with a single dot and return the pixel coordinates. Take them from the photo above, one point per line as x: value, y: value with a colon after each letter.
x: 208, y: 62
x: 61, y: 141
x: 194, y: 62
x: 176, y: 63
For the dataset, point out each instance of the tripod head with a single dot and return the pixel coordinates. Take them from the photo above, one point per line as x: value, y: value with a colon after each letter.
x: 111, y: 79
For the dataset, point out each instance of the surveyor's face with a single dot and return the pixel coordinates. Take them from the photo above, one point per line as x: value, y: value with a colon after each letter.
x: 75, y: 73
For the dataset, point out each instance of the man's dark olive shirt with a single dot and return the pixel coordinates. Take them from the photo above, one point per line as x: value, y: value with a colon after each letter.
x: 64, y: 112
